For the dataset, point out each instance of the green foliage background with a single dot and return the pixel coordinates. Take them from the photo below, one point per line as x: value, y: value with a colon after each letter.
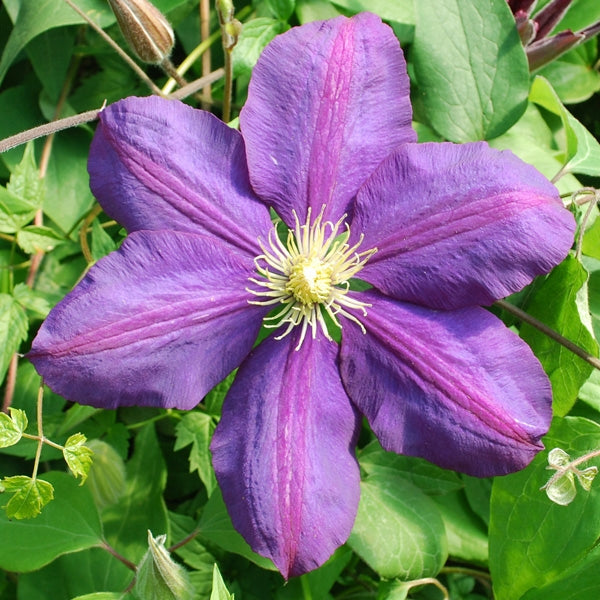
x: 151, y: 471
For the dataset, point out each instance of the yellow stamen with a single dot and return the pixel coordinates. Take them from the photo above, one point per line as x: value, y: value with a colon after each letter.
x: 309, y: 275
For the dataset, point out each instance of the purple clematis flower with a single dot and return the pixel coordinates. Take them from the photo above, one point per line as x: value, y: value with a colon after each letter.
x: 436, y: 230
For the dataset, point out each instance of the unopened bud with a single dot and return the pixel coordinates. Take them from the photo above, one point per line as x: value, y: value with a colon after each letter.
x: 159, y: 577
x: 145, y: 29
x: 550, y: 15
x: 526, y: 27
x: 544, y: 51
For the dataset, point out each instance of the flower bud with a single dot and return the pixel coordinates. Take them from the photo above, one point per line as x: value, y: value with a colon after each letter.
x: 145, y: 29
x: 159, y: 577
x: 544, y: 51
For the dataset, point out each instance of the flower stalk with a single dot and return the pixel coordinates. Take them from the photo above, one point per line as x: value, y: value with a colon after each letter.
x: 230, y: 31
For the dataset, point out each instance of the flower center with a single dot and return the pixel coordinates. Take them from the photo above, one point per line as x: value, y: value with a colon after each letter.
x: 310, y: 280
x: 309, y: 276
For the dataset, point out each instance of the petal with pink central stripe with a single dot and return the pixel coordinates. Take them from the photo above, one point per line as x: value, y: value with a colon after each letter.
x: 327, y: 102
x: 284, y: 453
x: 459, y: 225
x: 160, y: 164
x: 455, y: 387
x: 157, y: 323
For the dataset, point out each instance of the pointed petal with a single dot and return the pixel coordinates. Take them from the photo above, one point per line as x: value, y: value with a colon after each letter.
x: 327, y: 102
x: 160, y: 164
x: 457, y: 388
x: 284, y: 453
x: 157, y: 323
x: 459, y: 225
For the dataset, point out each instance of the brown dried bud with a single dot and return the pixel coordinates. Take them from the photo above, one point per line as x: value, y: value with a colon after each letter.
x: 145, y: 29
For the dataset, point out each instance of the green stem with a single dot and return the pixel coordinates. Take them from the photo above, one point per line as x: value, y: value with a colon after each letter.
x: 106, y: 546
x: 169, y: 413
x: 48, y: 128
x: 306, y: 591
x: 184, y: 541
x: 40, y: 429
x: 85, y: 247
x: 429, y: 581
x: 198, y: 51
x: 43, y: 440
x: 228, y: 88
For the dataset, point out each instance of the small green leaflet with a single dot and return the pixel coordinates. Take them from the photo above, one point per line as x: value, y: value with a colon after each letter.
x: 12, y: 427
x: 30, y: 496
x: 13, y: 330
x: 78, y: 456
x: 561, y: 486
x: 196, y: 428
x: 34, y: 238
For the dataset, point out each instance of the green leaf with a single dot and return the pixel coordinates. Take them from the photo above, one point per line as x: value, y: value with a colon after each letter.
x: 102, y: 243
x: 401, y: 11
x: 31, y: 300
x: 38, y: 238
x: 193, y: 553
x: 582, y: 151
x: 36, y: 17
x: 465, y: 532
x: 532, y: 140
x: 558, y: 303
x: 25, y: 182
x: 12, y: 428
x: 106, y: 478
x: 470, y: 66
x: 256, y: 34
x: 281, y: 9
x: 78, y: 456
x: 142, y: 506
x: 572, y: 75
x: 68, y: 195
x: 77, y: 574
x: 101, y: 596
x: 532, y: 540
x: 591, y: 240
x: 580, y: 582
x: 398, y: 530
x: 158, y: 576
x: 315, y: 10
x: 68, y: 524
x: 196, y: 428
x: 219, y: 591
x: 14, y: 213
x: 428, y: 477
x: 215, y: 526
x: 580, y: 14
x: 29, y: 496
x: 13, y: 330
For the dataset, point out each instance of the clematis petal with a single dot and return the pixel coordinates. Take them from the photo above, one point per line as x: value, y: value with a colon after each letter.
x: 157, y: 323
x: 326, y: 103
x: 160, y: 164
x: 457, y: 388
x: 284, y: 453
x: 459, y: 225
